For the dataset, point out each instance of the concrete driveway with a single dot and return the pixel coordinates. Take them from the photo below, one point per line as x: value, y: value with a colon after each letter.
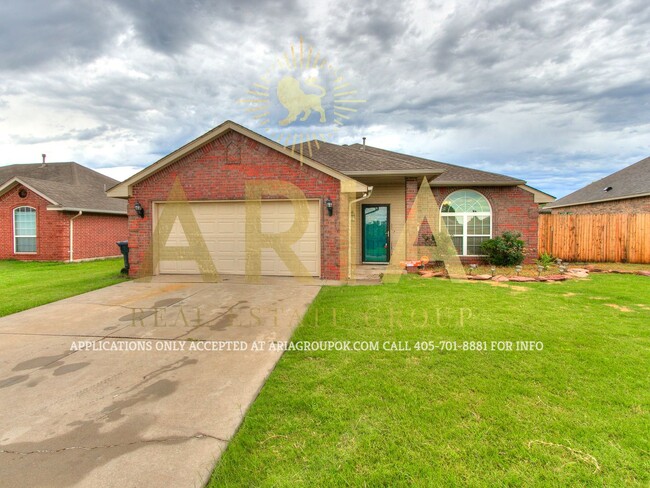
x: 133, y: 385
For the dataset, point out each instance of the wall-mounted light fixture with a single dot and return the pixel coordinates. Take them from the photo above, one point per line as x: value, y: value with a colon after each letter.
x: 138, y: 209
x: 330, y: 206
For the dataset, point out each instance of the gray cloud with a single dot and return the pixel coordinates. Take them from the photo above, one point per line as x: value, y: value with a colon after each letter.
x: 553, y: 93
x: 173, y: 27
x: 51, y: 32
x: 72, y: 135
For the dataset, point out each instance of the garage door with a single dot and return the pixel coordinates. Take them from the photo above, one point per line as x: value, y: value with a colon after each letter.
x: 222, y: 225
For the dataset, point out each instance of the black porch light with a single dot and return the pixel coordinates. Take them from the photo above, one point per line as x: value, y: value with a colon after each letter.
x: 330, y: 206
x: 138, y: 209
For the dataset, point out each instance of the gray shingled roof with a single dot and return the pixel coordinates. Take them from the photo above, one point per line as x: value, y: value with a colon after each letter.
x: 70, y: 185
x: 630, y: 182
x: 356, y: 158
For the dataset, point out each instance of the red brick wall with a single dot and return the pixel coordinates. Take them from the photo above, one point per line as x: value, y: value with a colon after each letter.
x: 629, y: 205
x: 52, y: 228
x: 411, y: 191
x: 513, y: 209
x: 95, y: 235
x: 214, y: 172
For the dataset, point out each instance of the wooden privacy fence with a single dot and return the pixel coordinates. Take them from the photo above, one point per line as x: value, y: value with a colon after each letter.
x: 598, y: 238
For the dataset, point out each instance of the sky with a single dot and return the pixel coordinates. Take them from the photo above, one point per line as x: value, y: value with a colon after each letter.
x: 554, y: 92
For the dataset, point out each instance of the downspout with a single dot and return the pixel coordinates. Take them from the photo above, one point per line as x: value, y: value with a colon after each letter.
x: 72, y: 234
x: 364, y: 197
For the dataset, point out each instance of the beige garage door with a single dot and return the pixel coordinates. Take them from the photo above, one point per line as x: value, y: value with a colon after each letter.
x: 222, y: 225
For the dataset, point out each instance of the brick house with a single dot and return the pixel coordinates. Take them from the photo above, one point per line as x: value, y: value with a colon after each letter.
x: 58, y: 212
x: 353, y: 203
x: 626, y: 191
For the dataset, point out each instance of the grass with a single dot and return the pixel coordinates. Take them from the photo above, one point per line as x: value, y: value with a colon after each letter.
x: 615, y: 266
x: 26, y: 285
x: 576, y: 413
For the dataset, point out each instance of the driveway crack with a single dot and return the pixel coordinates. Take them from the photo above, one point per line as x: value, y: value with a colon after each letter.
x: 162, y: 440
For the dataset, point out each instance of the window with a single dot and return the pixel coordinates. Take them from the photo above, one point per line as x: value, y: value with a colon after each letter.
x: 25, y: 229
x: 468, y: 217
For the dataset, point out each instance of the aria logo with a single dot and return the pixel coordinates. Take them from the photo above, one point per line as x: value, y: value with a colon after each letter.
x: 301, y: 99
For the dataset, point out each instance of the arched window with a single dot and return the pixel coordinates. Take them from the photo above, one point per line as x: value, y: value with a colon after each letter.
x: 24, y: 229
x: 468, y: 217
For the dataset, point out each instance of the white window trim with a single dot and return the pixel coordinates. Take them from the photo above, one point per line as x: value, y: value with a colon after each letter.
x: 465, y: 216
x: 35, y: 234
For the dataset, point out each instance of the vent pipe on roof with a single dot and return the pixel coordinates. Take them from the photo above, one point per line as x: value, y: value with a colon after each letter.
x: 364, y: 144
x: 43, y: 164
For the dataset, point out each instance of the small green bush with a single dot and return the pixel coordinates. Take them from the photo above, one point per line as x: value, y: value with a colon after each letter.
x: 546, y: 260
x: 506, y: 250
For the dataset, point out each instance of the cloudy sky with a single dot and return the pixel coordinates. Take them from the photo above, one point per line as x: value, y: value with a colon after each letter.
x: 554, y: 92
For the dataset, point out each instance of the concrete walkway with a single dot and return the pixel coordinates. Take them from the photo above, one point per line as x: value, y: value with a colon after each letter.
x: 78, y: 412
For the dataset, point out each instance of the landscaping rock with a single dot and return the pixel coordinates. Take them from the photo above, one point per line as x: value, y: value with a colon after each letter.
x: 617, y: 271
x: 592, y: 269
x: 556, y: 277
x: 479, y: 277
x: 577, y: 272
x: 643, y: 273
x: 522, y: 279
x: 500, y: 278
x: 432, y: 274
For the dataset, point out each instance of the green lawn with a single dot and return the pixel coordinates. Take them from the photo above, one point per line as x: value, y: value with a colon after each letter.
x: 576, y: 413
x: 25, y: 285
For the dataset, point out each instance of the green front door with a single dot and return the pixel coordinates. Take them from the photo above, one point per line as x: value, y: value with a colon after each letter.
x: 375, y: 233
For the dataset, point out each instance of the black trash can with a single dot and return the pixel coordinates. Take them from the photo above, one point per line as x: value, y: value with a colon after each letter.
x: 124, y: 248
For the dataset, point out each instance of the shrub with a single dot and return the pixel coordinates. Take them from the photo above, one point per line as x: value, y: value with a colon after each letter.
x: 506, y: 250
x: 546, y: 260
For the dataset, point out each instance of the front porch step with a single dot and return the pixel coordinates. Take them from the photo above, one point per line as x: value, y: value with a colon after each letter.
x: 371, y: 272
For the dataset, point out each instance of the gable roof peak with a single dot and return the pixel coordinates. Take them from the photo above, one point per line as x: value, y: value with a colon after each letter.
x: 67, y: 185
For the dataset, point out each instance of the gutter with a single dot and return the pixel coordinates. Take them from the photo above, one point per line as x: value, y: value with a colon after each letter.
x: 72, y: 234
x: 88, y: 210
x: 364, y: 197
x: 477, y: 183
x: 396, y: 172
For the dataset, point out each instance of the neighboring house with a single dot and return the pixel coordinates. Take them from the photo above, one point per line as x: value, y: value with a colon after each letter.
x: 58, y: 212
x: 626, y: 191
x: 220, y: 169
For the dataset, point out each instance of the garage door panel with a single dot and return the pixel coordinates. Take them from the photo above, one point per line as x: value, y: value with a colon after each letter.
x: 223, y: 227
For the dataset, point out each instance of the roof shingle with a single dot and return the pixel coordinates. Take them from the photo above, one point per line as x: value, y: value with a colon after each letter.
x: 630, y: 182
x: 357, y: 158
x: 70, y: 185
